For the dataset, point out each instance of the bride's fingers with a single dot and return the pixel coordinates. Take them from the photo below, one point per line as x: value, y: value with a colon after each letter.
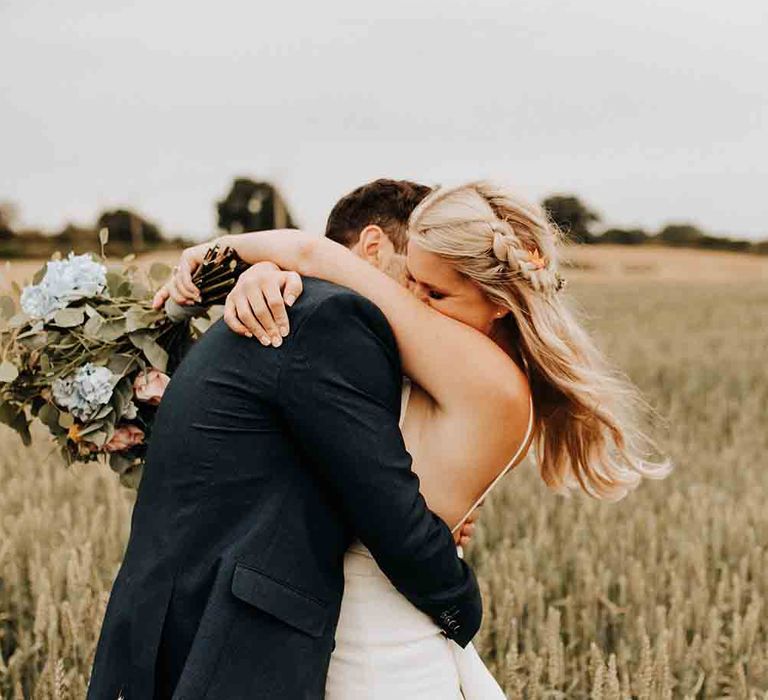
x: 161, y: 296
x: 276, y: 306
x: 184, y: 279
x: 230, y: 318
x: 464, y: 541
x: 178, y: 295
x: 263, y: 314
x: 293, y: 288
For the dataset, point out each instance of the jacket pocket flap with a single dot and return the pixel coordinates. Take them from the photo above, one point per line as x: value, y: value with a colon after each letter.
x: 279, y: 600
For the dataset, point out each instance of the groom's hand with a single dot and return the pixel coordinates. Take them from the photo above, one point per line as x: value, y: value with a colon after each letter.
x: 467, y: 529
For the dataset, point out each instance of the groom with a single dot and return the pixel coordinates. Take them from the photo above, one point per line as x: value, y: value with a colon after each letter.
x: 264, y: 464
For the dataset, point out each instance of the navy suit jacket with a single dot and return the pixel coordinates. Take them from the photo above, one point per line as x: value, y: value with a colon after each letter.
x: 263, y: 465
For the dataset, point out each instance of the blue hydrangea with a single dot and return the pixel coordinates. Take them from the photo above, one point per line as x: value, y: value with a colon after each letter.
x: 84, y: 391
x: 37, y: 302
x: 75, y: 277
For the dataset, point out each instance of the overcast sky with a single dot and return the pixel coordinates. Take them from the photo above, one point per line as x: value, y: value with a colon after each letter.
x: 651, y: 110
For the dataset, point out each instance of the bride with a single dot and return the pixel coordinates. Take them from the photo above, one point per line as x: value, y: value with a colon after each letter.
x: 498, y: 362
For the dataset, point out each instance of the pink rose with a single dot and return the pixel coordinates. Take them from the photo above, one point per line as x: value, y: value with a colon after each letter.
x: 150, y: 386
x: 125, y: 436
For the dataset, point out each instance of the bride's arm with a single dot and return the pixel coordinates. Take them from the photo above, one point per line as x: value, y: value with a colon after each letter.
x: 457, y: 365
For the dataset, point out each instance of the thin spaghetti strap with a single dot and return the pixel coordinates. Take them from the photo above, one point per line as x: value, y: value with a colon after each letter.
x: 404, y: 396
x: 506, y: 469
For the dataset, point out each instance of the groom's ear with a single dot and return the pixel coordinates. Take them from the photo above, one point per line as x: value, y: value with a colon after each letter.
x: 374, y: 246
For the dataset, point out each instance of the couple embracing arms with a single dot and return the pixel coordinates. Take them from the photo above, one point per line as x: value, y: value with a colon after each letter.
x: 277, y: 477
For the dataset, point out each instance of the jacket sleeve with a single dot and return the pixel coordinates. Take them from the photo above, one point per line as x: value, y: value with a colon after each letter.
x: 340, y: 393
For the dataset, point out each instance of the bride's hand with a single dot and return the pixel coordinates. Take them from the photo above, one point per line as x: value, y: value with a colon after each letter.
x: 180, y: 287
x: 256, y: 304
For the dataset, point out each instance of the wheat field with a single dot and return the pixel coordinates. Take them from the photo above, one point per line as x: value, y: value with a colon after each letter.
x: 662, y: 595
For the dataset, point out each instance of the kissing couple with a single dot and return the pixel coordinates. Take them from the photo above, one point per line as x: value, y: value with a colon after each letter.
x: 319, y: 452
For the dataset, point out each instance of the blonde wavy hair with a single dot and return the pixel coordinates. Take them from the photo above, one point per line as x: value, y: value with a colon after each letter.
x: 586, y: 432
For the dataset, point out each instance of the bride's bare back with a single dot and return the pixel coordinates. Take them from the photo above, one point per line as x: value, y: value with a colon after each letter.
x: 452, y: 484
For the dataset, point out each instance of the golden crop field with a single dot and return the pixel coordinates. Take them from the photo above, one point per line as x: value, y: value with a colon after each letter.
x: 662, y: 595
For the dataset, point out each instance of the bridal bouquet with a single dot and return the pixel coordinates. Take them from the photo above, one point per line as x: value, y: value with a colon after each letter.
x: 84, y: 353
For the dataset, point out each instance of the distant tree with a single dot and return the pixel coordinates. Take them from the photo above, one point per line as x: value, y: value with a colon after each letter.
x: 9, y: 214
x: 130, y: 229
x: 686, y: 235
x: 761, y: 247
x: 572, y: 216
x: 623, y: 236
x: 253, y: 206
x: 717, y: 243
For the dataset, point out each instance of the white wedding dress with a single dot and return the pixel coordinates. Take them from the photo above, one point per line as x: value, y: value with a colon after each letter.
x: 387, y: 649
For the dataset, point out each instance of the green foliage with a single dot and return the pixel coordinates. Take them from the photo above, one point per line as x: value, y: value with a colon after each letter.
x: 680, y: 235
x: 574, y: 218
x: 253, y: 206
x: 622, y: 236
x: 129, y: 228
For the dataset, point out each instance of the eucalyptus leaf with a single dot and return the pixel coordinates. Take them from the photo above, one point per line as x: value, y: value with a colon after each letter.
x: 139, y: 290
x: 156, y: 356
x: 93, y: 326
x: 66, y: 420
x: 49, y: 415
x: 122, y: 396
x: 38, y: 276
x: 69, y: 317
x: 8, y: 371
x: 137, y: 319
x: 104, y: 235
x: 103, y: 412
x: 112, y: 329
x: 159, y: 272
x: 91, y: 428
x: 7, y: 307
x: 18, y: 320
x: 115, y: 282
x: 120, y: 364
x: 98, y: 437
x: 33, y: 338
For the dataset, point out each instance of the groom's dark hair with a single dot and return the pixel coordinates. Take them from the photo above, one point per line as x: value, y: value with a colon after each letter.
x: 385, y: 203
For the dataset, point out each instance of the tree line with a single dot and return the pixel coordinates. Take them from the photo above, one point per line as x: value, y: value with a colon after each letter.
x: 249, y: 205
x: 252, y: 205
x: 579, y: 222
